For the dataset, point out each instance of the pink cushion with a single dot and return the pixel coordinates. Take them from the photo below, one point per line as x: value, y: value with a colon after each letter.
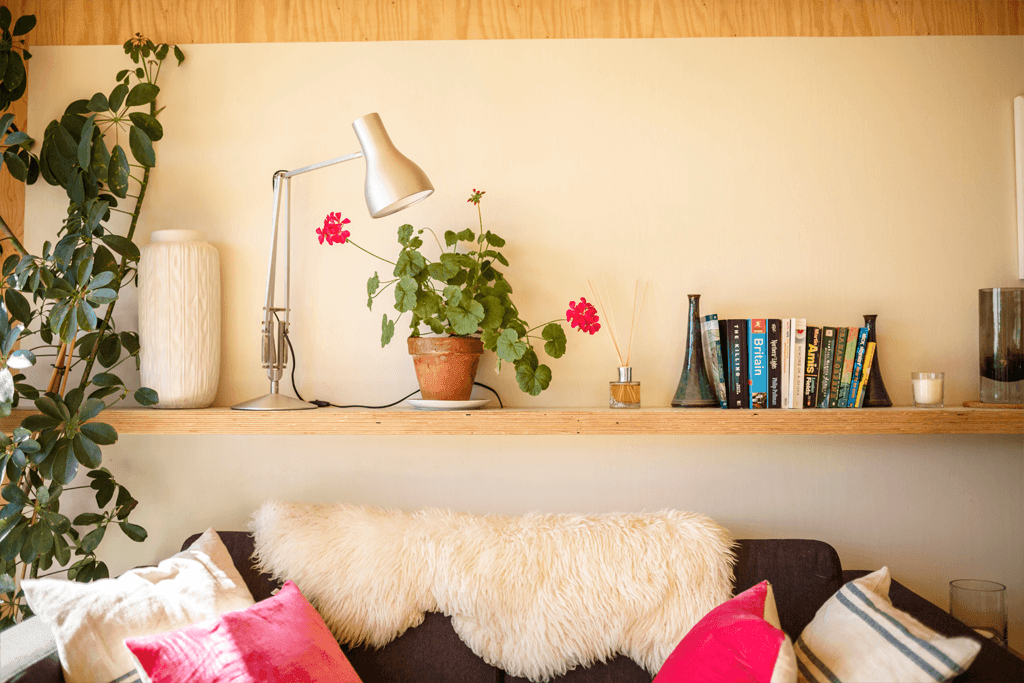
x: 738, y: 641
x: 279, y: 639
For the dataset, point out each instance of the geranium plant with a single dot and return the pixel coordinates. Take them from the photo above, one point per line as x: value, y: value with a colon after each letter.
x: 59, y: 305
x: 463, y: 293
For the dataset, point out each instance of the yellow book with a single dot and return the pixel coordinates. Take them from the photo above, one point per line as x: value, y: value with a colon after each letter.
x: 869, y: 357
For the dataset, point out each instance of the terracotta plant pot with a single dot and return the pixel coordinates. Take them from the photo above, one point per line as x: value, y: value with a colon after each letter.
x: 446, y: 366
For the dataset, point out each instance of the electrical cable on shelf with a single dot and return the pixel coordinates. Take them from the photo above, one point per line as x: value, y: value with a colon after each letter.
x: 326, y: 404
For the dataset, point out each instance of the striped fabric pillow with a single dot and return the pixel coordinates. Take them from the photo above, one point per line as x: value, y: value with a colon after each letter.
x: 858, y: 635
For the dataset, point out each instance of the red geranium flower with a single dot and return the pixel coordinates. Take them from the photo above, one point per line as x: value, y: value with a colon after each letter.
x: 583, y: 316
x: 332, y: 232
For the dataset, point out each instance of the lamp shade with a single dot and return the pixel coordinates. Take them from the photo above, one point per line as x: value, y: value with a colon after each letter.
x: 393, y: 181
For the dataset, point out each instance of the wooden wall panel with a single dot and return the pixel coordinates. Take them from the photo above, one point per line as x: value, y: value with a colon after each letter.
x: 105, y: 22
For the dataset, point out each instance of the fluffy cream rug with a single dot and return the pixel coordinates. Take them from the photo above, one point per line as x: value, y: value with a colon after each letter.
x: 535, y: 595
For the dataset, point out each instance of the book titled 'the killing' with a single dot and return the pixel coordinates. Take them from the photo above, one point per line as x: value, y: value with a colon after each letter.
x: 736, y: 338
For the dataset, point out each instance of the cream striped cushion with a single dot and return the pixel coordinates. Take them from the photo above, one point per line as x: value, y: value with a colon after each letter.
x: 858, y: 635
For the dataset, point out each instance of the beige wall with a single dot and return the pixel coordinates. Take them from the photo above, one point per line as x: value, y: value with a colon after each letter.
x: 777, y: 177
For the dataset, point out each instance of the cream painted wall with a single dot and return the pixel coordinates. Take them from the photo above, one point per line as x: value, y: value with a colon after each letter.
x: 880, y: 169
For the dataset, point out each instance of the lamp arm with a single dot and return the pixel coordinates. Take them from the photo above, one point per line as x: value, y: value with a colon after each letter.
x: 275, y: 350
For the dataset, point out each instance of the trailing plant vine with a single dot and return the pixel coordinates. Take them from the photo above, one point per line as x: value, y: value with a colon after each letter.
x: 62, y: 301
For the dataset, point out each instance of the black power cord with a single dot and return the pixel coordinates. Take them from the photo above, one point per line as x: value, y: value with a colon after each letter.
x: 326, y: 404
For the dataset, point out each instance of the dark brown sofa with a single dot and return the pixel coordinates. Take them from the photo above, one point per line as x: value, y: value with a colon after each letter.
x: 803, y: 574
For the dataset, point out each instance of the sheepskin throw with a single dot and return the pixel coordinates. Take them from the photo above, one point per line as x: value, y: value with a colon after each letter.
x: 535, y: 595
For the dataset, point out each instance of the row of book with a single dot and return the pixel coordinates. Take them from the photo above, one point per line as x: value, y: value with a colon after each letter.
x: 781, y: 363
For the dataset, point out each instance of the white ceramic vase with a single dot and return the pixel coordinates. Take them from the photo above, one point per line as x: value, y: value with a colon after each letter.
x: 179, y: 318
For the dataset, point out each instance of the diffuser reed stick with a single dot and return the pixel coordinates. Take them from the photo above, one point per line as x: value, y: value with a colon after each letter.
x: 625, y: 393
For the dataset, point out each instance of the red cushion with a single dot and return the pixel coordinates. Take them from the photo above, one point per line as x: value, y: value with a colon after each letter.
x: 738, y: 641
x: 279, y: 639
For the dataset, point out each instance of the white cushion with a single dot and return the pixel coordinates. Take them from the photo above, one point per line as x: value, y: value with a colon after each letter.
x: 91, y: 620
x: 858, y: 635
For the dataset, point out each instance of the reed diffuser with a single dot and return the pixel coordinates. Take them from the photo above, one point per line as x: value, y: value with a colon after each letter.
x: 625, y: 393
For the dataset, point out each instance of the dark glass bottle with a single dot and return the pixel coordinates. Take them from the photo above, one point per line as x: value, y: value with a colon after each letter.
x: 694, y: 390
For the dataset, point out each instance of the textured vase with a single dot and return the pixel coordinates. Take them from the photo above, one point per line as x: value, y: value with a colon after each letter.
x: 1001, y: 344
x: 446, y: 366
x: 179, y: 318
x: 875, y: 394
x: 694, y: 390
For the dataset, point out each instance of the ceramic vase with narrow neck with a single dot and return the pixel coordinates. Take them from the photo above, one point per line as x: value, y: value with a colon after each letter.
x: 694, y: 389
x: 179, y: 318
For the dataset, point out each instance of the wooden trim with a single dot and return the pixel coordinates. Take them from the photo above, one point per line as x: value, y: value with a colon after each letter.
x: 111, y: 22
x: 561, y: 421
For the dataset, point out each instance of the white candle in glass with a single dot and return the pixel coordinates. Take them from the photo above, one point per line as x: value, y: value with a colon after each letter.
x: 927, y: 388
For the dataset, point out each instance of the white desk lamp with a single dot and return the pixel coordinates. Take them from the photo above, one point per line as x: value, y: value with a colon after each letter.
x: 393, y: 183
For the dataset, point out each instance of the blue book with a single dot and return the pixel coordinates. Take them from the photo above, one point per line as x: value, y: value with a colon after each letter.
x: 757, y: 343
x: 858, y: 367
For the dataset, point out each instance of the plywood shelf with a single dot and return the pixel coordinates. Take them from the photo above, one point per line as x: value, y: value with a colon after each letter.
x: 562, y: 421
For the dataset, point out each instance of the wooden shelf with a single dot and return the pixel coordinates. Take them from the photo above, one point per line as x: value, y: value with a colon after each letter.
x: 561, y: 421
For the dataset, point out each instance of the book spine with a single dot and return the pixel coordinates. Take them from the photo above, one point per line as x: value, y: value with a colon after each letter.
x: 774, y: 363
x: 869, y: 357
x: 757, y: 363
x: 713, y: 357
x: 787, y: 349
x: 858, y: 366
x: 848, y: 360
x: 838, y: 358
x: 811, y: 367
x: 827, y: 353
x: 798, y: 364
x: 723, y: 331
x: 739, y: 392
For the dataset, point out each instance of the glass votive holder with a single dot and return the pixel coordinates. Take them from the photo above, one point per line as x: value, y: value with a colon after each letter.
x: 980, y: 605
x: 928, y: 389
x: 625, y: 393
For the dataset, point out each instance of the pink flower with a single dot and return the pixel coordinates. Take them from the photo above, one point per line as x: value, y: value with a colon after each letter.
x: 475, y: 197
x: 332, y: 232
x: 583, y: 316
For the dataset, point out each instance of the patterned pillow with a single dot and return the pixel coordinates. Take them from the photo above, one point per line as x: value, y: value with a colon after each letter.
x: 91, y: 620
x: 858, y: 635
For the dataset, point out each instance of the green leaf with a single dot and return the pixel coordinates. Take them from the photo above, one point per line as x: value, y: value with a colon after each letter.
x: 494, y: 312
x: 143, y: 93
x: 117, y: 176
x: 99, y: 162
x: 556, y: 341
x: 405, y: 294
x: 86, y: 451
x: 47, y: 406
x: 387, y: 331
x: 373, y: 284
x: 142, y: 146
x: 12, y: 493
x: 99, y: 102
x: 39, y: 422
x: 452, y: 295
x: 85, y: 142
x: 13, y: 531
x: 93, y: 539
x: 494, y: 240
x: 103, y: 295
x: 145, y: 396
x: 24, y: 25
x: 65, y: 466
x: 509, y: 346
x: 61, y: 550
x: 41, y: 538
x: 16, y: 166
x: 117, y: 96
x: 467, y: 235
x: 86, y: 316
x: 450, y: 238
x: 457, y: 261
x: 16, y: 138
x: 15, y: 75
x: 122, y: 245
x: 441, y: 271
x: 101, y: 280
x: 18, y: 305
x: 533, y: 381
x: 465, y: 318
x: 428, y: 304
x: 409, y: 264
x: 5, y: 17
x: 148, y: 124
x: 90, y: 409
x: 179, y: 55
x: 88, y: 519
x: 107, y: 379
x: 405, y: 234
x: 100, y: 433
x: 133, y: 531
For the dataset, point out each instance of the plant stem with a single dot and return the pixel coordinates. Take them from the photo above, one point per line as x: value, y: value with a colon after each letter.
x: 15, y: 242
x: 120, y: 274
x: 556, y: 320
x: 370, y: 252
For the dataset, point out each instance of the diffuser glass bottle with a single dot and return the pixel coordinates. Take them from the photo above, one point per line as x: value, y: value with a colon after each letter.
x: 625, y: 393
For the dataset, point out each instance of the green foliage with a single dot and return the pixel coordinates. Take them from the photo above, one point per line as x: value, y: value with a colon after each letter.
x: 64, y: 298
x: 464, y: 293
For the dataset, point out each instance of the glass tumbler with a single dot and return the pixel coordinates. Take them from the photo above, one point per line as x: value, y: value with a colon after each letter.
x: 981, y: 605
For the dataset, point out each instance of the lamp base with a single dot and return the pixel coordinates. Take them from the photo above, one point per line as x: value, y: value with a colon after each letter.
x: 274, y: 402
